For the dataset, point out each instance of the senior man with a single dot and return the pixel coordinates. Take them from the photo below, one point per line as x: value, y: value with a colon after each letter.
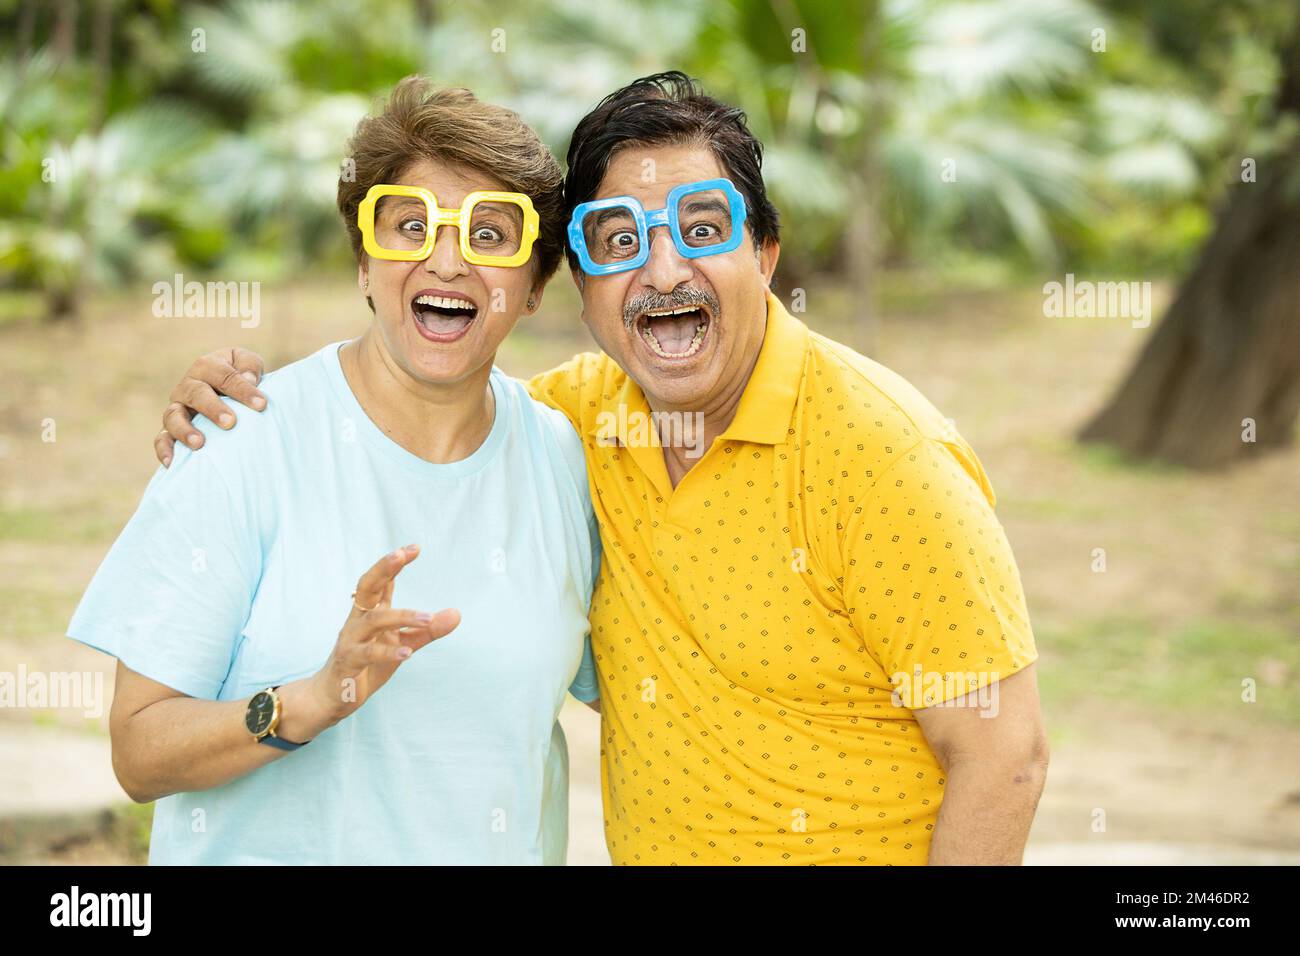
x: 810, y: 632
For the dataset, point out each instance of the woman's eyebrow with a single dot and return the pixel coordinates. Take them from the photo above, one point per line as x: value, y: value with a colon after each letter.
x: 507, y: 209
x: 392, y: 203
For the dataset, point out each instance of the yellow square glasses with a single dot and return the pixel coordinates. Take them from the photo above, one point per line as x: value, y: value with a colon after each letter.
x: 401, y: 223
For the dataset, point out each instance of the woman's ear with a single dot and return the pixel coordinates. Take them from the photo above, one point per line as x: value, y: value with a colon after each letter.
x: 363, y: 281
x: 534, y: 299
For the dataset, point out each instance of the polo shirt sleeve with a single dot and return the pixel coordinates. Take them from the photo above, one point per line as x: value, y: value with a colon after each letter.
x: 929, y: 578
x: 173, y: 595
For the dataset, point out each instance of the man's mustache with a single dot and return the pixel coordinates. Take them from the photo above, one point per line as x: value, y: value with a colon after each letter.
x: 680, y: 298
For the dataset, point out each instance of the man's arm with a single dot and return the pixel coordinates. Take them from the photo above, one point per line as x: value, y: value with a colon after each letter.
x: 994, y: 751
x: 234, y: 372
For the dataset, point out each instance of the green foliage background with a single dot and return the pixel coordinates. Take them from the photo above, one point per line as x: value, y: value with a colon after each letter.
x: 145, y: 136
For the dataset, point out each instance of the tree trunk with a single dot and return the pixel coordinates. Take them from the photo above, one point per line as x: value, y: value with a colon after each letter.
x: 102, y: 43
x: 64, y: 41
x: 1219, y: 381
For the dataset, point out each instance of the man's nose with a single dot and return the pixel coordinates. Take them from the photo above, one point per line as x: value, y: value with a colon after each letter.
x: 665, y: 269
x: 445, y: 260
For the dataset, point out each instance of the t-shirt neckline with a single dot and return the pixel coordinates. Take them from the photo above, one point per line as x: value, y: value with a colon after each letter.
x: 370, y: 432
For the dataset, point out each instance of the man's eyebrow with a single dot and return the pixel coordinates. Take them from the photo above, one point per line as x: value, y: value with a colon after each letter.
x: 693, y: 204
x: 613, y: 212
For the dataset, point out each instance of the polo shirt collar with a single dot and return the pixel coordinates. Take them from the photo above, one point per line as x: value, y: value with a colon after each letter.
x: 767, y: 405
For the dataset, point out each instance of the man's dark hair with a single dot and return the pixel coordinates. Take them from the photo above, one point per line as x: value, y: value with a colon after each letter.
x: 663, y: 109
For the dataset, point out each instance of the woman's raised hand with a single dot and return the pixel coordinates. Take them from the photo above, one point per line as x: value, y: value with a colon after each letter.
x: 376, y: 638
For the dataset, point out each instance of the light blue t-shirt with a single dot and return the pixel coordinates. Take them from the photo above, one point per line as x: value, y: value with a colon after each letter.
x: 236, y: 574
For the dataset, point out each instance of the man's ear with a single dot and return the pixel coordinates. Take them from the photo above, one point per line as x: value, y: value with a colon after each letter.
x: 767, y: 257
x: 578, y: 276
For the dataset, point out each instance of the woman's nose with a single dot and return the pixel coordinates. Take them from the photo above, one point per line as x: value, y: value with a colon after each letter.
x: 445, y: 260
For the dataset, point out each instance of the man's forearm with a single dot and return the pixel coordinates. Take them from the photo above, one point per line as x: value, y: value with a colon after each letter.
x: 183, y: 744
x: 988, y: 807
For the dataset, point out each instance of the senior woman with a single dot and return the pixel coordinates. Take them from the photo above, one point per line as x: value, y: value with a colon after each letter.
x: 266, y: 733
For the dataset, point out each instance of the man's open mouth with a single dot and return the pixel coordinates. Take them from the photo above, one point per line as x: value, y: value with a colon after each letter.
x: 444, y: 317
x: 674, y: 333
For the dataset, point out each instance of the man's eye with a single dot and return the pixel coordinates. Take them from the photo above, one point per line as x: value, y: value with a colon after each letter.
x: 623, y: 240
x: 703, y: 231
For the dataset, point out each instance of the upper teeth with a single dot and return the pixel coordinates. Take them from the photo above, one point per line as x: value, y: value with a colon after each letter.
x: 443, y: 302
x: 685, y: 308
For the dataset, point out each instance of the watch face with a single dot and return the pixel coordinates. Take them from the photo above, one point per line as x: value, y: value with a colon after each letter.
x: 260, y: 711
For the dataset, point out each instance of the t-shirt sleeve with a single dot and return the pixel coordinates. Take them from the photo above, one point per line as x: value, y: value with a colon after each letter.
x: 584, y: 686
x: 173, y: 595
x: 929, y: 577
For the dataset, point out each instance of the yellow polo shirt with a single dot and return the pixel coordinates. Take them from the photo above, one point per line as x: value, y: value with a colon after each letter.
x: 761, y: 630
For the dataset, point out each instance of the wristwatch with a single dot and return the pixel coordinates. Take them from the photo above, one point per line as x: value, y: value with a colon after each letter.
x: 263, y: 716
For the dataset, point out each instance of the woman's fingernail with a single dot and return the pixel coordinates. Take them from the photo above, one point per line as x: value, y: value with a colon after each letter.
x: 259, y: 402
x: 251, y: 376
x: 167, y: 461
x: 424, y: 617
x: 403, y: 653
x: 226, y: 420
x: 193, y: 441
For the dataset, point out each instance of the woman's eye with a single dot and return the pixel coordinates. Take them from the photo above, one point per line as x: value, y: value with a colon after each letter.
x: 413, y: 225
x: 487, y: 234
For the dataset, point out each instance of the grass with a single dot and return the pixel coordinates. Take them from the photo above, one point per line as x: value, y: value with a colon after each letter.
x: 1106, y: 459
x: 82, y: 522
x: 1196, y: 669
x: 33, y: 613
x: 117, y: 835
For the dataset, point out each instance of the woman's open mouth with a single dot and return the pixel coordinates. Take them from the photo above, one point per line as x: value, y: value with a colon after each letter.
x: 443, y: 316
x: 674, y: 333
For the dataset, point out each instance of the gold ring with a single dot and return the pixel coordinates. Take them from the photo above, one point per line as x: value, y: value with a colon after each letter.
x: 358, y: 606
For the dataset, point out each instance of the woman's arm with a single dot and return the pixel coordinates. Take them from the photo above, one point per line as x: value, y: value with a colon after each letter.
x: 165, y: 742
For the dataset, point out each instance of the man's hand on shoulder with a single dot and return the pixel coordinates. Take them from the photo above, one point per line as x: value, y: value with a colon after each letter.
x: 233, y: 372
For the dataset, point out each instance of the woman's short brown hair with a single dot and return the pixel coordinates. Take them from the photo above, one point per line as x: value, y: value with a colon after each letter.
x: 422, y: 121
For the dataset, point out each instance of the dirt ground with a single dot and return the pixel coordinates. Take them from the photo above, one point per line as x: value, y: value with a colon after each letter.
x: 1142, y: 664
